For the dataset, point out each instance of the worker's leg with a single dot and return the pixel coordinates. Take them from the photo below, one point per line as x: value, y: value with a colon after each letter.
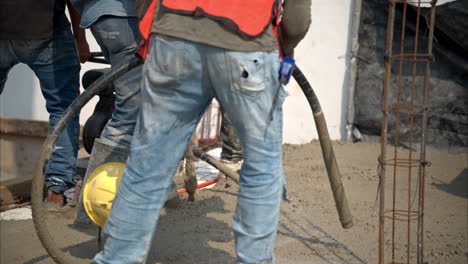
x: 7, y: 61
x: 118, y: 38
x: 57, y: 67
x: 231, y: 153
x: 246, y: 84
x: 173, y: 100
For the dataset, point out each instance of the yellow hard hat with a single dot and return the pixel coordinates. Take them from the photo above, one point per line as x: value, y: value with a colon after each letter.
x: 100, y: 189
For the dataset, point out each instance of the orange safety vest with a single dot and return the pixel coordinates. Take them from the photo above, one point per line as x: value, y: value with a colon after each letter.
x: 250, y: 17
x: 145, y: 28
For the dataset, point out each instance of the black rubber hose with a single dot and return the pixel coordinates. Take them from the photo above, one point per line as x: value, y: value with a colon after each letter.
x: 307, y: 90
x: 328, y: 154
x: 333, y: 173
x: 39, y: 211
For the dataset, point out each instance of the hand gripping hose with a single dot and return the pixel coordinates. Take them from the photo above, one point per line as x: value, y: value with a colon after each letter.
x: 39, y: 211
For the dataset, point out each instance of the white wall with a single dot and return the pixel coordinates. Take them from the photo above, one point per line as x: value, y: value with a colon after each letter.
x: 321, y: 56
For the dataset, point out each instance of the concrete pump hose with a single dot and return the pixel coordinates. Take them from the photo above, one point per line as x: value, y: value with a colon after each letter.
x: 39, y: 211
x: 334, y: 175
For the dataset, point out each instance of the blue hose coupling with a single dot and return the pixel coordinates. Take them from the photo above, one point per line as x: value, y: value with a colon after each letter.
x: 286, y: 69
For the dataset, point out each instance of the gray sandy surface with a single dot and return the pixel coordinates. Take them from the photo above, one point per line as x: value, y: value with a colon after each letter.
x: 309, y: 231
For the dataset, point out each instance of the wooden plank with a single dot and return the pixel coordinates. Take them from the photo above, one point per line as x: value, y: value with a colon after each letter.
x: 22, y: 127
x: 14, y: 191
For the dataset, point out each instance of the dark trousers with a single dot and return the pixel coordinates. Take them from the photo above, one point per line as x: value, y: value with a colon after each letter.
x: 232, y: 148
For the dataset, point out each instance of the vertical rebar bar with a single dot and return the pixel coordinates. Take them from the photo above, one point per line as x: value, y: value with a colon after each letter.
x: 422, y: 167
x: 413, y: 94
x: 397, y: 126
x: 384, y: 128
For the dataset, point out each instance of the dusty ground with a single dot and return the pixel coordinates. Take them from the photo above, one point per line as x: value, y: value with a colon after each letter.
x: 309, y: 232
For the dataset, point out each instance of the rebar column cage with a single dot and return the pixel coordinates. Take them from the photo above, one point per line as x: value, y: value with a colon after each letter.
x: 405, y: 105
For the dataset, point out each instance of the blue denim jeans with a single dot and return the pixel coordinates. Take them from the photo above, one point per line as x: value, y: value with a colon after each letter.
x: 56, y: 65
x: 92, y: 10
x: 180, y: 78
x: 118, y: 38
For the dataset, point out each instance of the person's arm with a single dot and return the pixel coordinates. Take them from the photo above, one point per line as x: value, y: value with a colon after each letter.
x: 295, y: 23
x: 79, y: 33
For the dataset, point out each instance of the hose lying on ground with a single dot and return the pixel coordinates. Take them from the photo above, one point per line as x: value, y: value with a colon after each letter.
x: 39, y: 211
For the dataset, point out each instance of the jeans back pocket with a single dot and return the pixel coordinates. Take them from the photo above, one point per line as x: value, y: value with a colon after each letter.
x: 248, y: 72
x: 167, y: 57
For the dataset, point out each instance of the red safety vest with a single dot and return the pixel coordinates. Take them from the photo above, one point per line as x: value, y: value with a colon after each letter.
x: 250, y: 17
x: 145, y: 28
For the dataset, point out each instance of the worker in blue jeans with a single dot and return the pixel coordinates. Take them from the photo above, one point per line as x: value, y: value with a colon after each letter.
x: 43, y: 40
x: 114, y: 25
x: 195, y: 56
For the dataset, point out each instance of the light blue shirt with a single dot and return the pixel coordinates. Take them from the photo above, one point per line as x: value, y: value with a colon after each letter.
x: 92, y: 10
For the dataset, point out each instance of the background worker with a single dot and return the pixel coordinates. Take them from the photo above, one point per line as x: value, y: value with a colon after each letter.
x: 219, y: 54
x: 38, y: 34
x: 114, y: 25
x: 231, y: 151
